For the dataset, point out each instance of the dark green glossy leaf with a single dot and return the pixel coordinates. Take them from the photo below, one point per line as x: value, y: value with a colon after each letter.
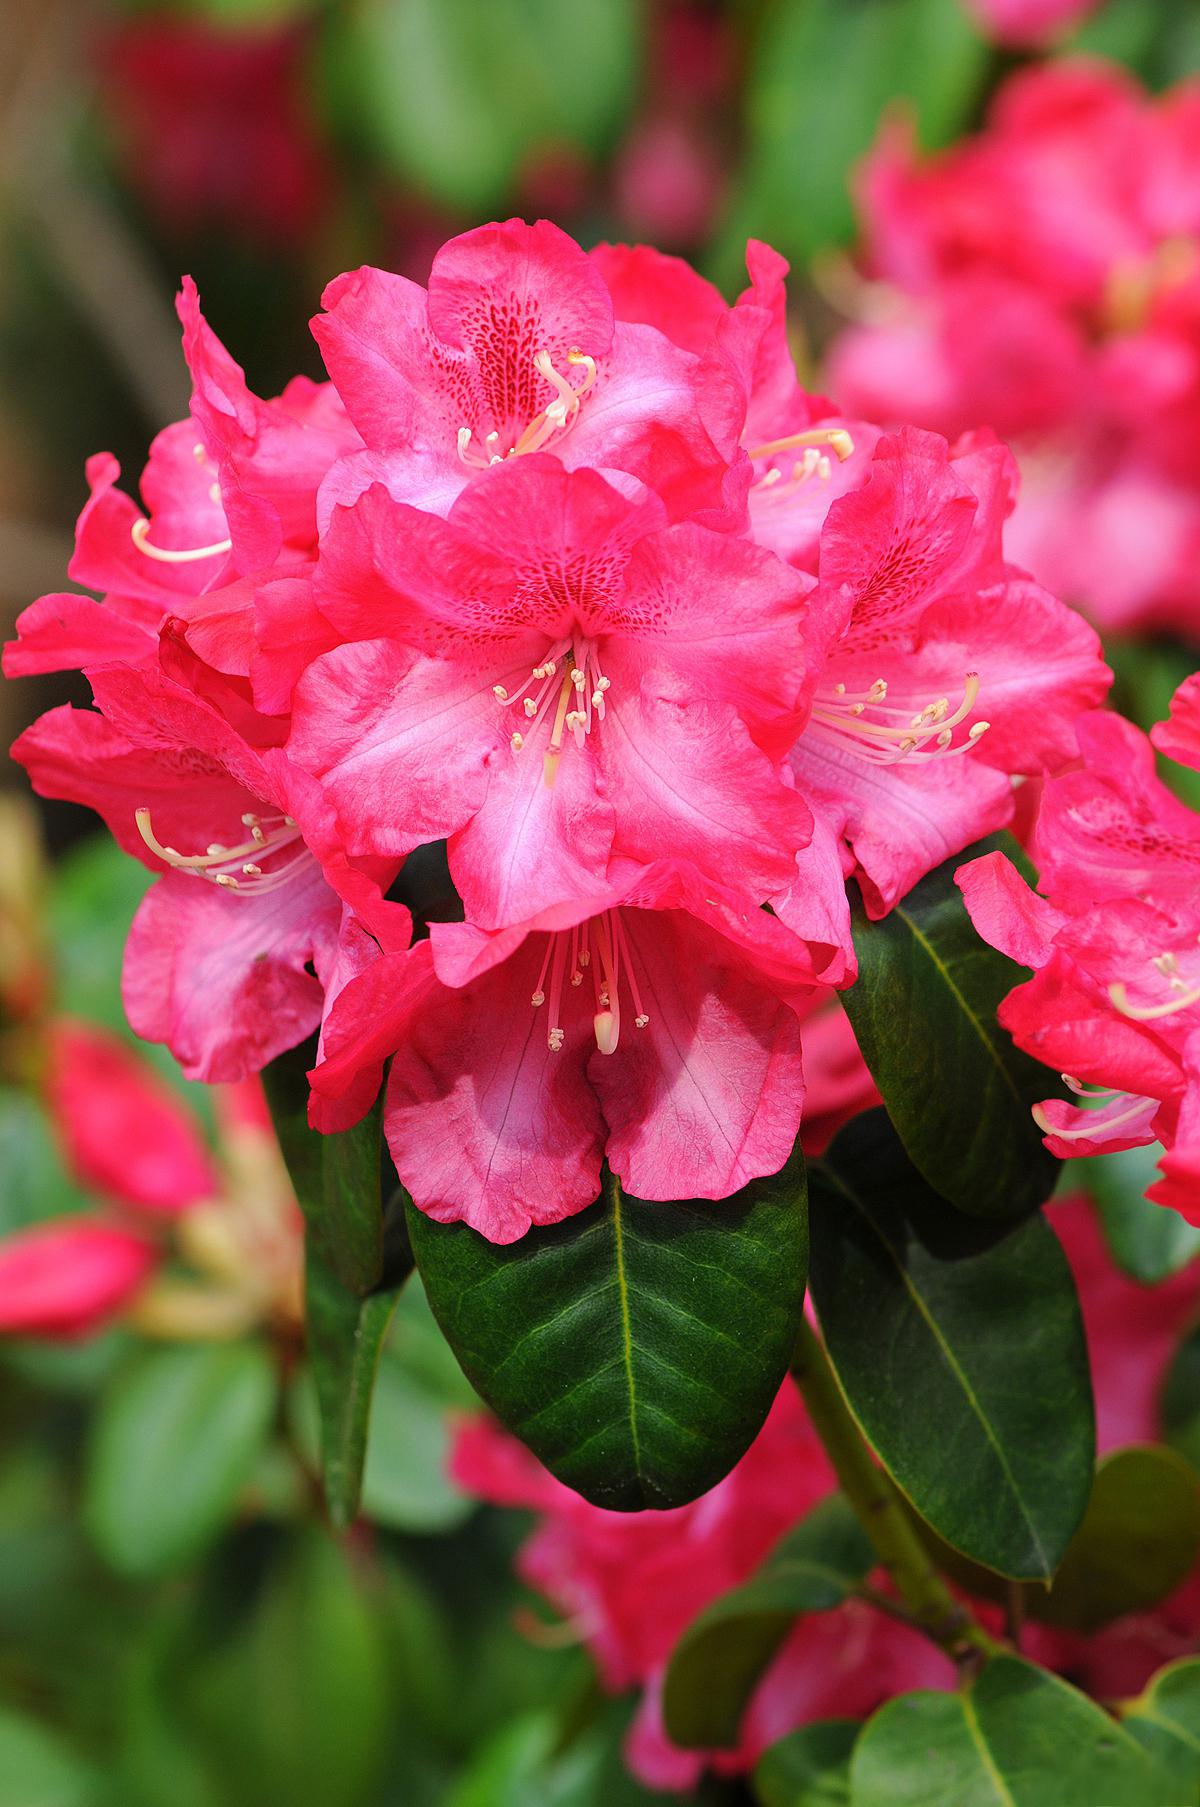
x: 961, y: 1351
x: 822, y: 75
x: 1014, y: 1736
x: 1165, y: 1720
x: 1179, y: 1403
x: 924, y: 1012
x: 1139, y: 1540
x: 337, y: 1178
x: 636, y: 1348
x: 177, y: 1436
x: 1147, y: 1242
x: 723, y: 1654
x: 345, y: 1336
x: 808, y: 1768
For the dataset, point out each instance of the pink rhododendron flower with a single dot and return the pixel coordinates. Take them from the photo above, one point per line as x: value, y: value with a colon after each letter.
x: 514, y: 349
x: 567, y: 680
x: 654, y: 1026
x: 123, y: 1131
x: 1029, y: 22
x: 218, y: 959
x: 1113, y: 936
x: 631, y: 1583
x: 68, y: 1277
x: 1045, y: 281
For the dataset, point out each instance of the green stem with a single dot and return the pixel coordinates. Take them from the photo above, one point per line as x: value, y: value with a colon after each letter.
x: 929, y: 1602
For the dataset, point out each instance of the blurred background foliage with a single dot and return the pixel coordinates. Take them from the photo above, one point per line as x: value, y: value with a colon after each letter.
x: 175, y: 1626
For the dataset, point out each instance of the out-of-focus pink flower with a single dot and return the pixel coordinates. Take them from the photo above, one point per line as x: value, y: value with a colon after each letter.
x: 1113, y: 937
x: 122, y: 1129
x: 1029, y: 22
x: 66, y: 1278
x: 215, y: 128
x: 1044, y: 279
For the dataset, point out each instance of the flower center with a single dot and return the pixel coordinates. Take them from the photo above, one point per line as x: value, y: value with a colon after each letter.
x: 553, y: 419
x: 576, y: 697
x: 861, y: 722
x: 599, y: 947
x: 239, y: 868
x: 1182, y: 995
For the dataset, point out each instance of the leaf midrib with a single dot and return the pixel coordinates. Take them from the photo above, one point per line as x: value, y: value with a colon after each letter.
x: 976, y: 1023
x: 947, y: 1352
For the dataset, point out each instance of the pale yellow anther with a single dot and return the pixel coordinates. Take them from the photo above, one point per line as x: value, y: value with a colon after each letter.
x: 500, y: 692
x: 517, y: 742
x: 538, y: 999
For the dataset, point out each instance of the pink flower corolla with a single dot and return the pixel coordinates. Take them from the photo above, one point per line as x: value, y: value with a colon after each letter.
x: 628, y: 1584
x: 258, y: 917
x: 654, y: 1025
x: 514, y: 349
x: 228, y: 529
x: 1029, y: 22
x: 1043, y: 278
x: 1113, y: 937
x: 566, y: 681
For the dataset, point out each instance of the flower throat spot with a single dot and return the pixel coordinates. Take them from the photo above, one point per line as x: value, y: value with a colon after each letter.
x: 553, y: 419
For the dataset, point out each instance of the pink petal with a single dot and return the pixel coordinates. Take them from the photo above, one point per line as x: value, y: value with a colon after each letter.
x: 123, y: 1130
x: 708, y: 1095
x: 1004, y: 910
x: 69, y: 1277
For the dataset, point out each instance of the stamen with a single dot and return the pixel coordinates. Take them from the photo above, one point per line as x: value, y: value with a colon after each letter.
x: 612, y: 969
x: 1152, y: 1013
x: 836, y: 438
x: 169, y: 556
x: 231, y: 867
x: 850, y: 719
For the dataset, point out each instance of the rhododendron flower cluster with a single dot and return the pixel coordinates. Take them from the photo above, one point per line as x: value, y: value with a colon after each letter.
x: 1043, y: 278
x: 1113, y: 936
x: 628, y: 1585
x: 564, y: 568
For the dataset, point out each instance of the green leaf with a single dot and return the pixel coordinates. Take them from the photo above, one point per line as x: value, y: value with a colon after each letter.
x: 337, y: 1178
x: 960, y: 1349
x: 924, y: 1012
x: 1014, y: 1736
x: 176, y: 1437
x: 1165, y: 1720
x: 1146, y: 1241
x: 459, y: 95
x: 1179, y: 1401
x: 808, y: 1768
x: 1139, y: 1540
x: 636, y: 1347
x: 345, y: 1336
x: 823, y: 74
x: 724, y: 1653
